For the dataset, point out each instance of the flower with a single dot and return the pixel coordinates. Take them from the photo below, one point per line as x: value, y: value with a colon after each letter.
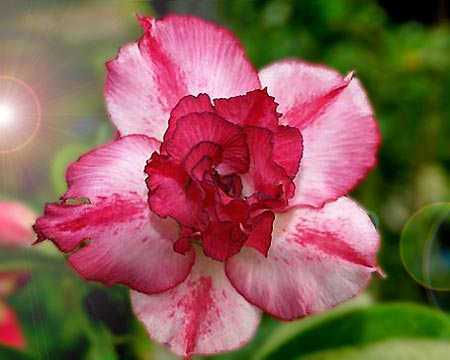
x: 223, y: 194
x: 15, y: 230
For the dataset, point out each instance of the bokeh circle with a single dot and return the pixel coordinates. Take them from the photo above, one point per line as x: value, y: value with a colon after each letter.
x: 425, y: 247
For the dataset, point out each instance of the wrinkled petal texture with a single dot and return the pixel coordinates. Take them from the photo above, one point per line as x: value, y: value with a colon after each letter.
x: 260, y: 237
x: 125, y: 242
x: 318, y: 258
x: 176, y: 56
x: 266, y: 178
x: 203, y: 315
x: 255, y: 108
x: 198, y: 128
x: 15, y: 224
x: 10, y: 331
x: 167, y: 192
x: 340, y: 135
x: 274, y: 151
x: 212, y: 151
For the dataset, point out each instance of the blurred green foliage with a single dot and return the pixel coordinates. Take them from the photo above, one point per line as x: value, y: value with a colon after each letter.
x: 405, y: 68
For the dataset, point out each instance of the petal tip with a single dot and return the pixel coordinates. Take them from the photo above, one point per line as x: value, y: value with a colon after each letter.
x: 145, y: 21
x: 350, y: 76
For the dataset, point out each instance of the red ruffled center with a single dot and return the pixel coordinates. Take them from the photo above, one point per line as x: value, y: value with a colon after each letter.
x: 223, y: 169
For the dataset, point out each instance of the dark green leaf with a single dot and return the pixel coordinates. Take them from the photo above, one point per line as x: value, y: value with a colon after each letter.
x: 360, y: 328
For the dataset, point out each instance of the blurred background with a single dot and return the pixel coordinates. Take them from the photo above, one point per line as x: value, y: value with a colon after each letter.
x: 52, y: 55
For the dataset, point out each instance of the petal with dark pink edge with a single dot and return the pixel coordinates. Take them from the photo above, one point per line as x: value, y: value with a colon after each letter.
x: 260, y: 236
x: 187, y: 105
x: 204, y: 152
x: 115, y: 237
x: 10, y: 332
x: 256, y: 108
x: 202, y: 315
x: 301, y: 90
x: 177, y: 56
x: 340, y: 135
x: 228, y: 208
x: 196, y: 128
x: 222, y: 240
x: 318, y: 258
x: 172, y: 192
x: 265, y: 178
x: 287, y: 149
x: 15, y: 224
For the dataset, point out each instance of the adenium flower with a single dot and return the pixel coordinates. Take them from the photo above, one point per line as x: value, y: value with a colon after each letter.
x: 223, y: 194
x: 15, y: 231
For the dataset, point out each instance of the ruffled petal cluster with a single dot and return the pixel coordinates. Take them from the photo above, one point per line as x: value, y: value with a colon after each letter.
x: 220, y: 173
x: 224, y: 193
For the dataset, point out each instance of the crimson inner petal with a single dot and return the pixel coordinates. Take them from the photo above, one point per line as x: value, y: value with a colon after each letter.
x: 256, y: 108
x: 223, y: 169
x: 201, y: 158
x: 195, y: 128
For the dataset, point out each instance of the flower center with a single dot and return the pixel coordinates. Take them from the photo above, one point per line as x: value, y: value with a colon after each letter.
x: 207, y: 157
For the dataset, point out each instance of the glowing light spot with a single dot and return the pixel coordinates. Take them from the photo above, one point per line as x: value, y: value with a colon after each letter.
x: 20, y: 114
x: 6, y: 114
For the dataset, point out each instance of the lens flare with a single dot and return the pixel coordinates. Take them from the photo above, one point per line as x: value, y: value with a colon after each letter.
x: 6, y: 114
x: 20, y: 114
x: 425, y: 253
x: 425, y: 247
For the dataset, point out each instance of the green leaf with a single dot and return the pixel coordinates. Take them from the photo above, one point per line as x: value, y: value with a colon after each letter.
x: 356, y: 329
x: 289, y: 330
x: 265, y: 330
x: 405, y: 349
x: 271, y: 332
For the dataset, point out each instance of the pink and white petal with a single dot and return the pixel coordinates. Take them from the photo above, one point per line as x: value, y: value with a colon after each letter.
x: 10, y: 331
x: 202, y: 315
x: 210, y: 59
x: 177, y: 56
x: 318, y: 258
x: 139, y: 99
x: 302, y: 90
x: 340, y: 135
x: 115, y: 238
x: 337, y: 154
x: 15, y: 224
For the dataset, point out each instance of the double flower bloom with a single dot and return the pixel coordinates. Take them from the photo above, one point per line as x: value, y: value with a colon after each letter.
x: 223, y: 194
